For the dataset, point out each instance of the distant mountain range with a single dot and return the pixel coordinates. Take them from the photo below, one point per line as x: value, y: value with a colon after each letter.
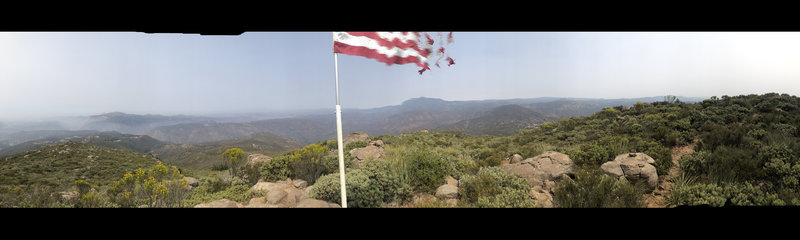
x: 135, y: 124
x: 474, y: 117
x: 496, y: 117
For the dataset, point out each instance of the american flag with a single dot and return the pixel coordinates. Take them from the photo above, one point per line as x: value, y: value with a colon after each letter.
x: 389, y: 47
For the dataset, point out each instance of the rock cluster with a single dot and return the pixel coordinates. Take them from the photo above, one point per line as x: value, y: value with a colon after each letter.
x: 354, y: 137
x: 635, y: 167
x: 253, y: 159
x: 373, y: 150
x: 542, y: 173
x: 281, y: 194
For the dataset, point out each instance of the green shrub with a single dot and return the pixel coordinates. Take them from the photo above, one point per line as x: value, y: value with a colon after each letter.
x: 234, y: 181
x: 354, y: 145
x: 251, y: 172
x: 591, y: 154
x: 492, y: 187
x: 489, y: 158
x: 215, y: 184
x: 462, y: 167
x: 233, y: 157
x: 309, y: 163
x: 332, y: 164
x: 593, y: 189
x: 694, y: 164
x: 362, y: 191
x: 508, y: 198
x: 219, y: 167
x: 238, y: 193
x: 277, y: 169
x: 426, y: 169
x: 332, y: 144
x: 749, y: 195
x: 388, y: 181
x: 697, y: 195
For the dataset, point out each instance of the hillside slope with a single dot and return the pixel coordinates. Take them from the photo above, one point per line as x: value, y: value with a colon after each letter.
x: 206, y: 155
x: 504, y: 120
x: 138, y: 143
x: 58, y: 166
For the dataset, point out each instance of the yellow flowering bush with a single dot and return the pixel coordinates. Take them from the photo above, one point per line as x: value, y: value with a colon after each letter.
x: 157, y: 186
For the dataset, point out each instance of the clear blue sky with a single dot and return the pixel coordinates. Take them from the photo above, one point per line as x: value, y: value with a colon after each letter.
x: 85, y: 73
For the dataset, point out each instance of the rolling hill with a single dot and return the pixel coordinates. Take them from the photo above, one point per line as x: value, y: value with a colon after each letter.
x: 206, y: 155
x: 138, y: 143
x: 504, y: 120
x: 58, y: 166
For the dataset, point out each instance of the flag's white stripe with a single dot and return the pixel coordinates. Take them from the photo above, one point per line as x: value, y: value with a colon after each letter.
x: 409, y: 36
x: 370, y: 43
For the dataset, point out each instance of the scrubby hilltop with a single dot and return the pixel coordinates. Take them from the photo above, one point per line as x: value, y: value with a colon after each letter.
x: 45, y: 171
x: 728, y: 151
x: 139, y: 143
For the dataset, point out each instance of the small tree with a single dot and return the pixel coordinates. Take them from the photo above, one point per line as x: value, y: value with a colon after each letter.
x: 232, y: 158
x: 309, y: 163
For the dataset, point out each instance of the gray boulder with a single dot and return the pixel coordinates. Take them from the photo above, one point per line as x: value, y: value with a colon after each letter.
x: 543, y: 170
x: 299, y: 183
x: 366, y: 153
x: 253, y: 159
x: 635, y: 167
x: 449, y: 190
x: 275, y: 196
x: 516, y: 158
x: 542, y: 198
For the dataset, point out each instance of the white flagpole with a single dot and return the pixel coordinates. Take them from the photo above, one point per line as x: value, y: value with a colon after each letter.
x: 339, y: 130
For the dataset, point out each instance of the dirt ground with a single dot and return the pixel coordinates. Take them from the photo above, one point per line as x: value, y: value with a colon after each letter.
x: 658, y: 198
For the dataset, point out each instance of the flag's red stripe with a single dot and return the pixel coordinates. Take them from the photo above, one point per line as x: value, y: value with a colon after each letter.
x: 370, y: 53
x: 393, y: 43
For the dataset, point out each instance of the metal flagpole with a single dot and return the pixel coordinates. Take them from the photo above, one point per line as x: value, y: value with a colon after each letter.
x: 339, y: 129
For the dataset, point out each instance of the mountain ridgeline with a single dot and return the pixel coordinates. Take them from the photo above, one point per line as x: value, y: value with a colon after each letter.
x: 474, y: 117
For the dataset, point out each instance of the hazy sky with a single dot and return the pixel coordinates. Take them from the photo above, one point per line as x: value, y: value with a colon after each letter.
x: 86, y: 73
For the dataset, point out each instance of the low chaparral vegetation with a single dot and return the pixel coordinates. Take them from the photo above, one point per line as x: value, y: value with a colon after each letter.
x: 746, y: 154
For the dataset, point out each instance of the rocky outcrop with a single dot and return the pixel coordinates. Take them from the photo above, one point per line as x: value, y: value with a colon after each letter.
x: 253, y: 159
x: 542, y: 197
x: 222, y: 203
x: 543, y: 169
x: 366, y: 153
x: 515, y: 159
x: 542, y: 173
x: 449, y: 190
x: 635, y: 167
x: 314, y: 203
x: 354, y: 137
x: 285, y: 194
